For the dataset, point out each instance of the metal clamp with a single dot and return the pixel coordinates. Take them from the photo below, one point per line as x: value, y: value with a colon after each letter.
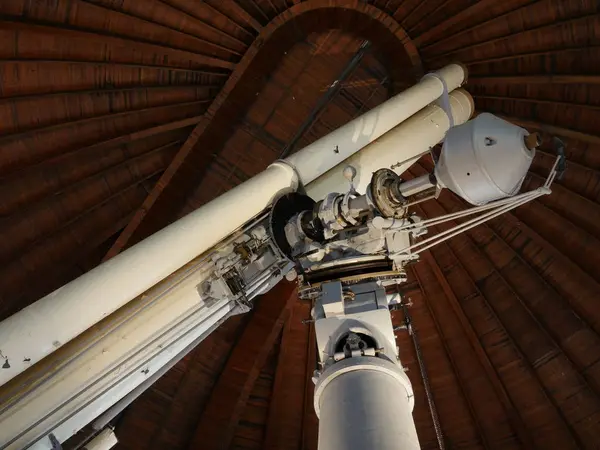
x: 445, y: 98
x: 345, y: 207
x: 56, y: 445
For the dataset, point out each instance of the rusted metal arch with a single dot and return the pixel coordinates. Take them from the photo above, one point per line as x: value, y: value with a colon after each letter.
x: 164, y: 202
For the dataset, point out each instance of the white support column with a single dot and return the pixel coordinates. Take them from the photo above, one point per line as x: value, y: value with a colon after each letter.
x: 365, y: 403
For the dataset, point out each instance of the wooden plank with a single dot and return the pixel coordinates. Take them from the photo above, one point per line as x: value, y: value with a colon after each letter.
x: 453, y: 20
x: 492, y: 375
x: 486, y: 274
x: 241, y: 12
x: 549, y: 103
x: 284, y: 425
x: 168, y: 198
x: 222, y: 413
x: 536, y: 79
x: 553, y: 129
x: 127, y: 50
x: 310, y: 422
x: 445, y: 341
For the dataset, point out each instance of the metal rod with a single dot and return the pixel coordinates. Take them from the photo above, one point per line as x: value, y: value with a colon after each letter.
x: 421, y: 200
x: 102, y: 421
x: 467, y: 212
x: 426, y: 385
x: 510, y: 203
x: 326, y: 98
x: 440, y: 237
x: 416, y: 185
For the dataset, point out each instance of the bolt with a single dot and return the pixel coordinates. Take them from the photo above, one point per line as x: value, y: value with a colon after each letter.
x: 533, y: 140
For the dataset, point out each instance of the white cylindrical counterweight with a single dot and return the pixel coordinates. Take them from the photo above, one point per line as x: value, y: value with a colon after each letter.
x: 365, y: 403
x: 485, y: 160
x: 398, y: 149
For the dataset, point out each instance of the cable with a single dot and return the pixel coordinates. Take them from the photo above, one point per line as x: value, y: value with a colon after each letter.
x: 494, y: 209
x: 428, y: 394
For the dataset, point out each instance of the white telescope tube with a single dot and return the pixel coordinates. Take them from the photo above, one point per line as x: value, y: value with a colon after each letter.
x: 41, y: 328
x: 399, y: 148
x: 72, y: 386
x: 317, y: 158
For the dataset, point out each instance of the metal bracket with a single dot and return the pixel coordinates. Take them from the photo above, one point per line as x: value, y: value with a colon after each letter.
x: 56, y: 445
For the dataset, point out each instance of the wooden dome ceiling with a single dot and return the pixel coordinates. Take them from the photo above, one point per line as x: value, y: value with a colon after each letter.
x: 118, y: 116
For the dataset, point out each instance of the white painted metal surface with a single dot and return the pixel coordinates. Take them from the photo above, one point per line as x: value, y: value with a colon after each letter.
x: 105, y: 440
x: 365, y: 403
x: 322, y: 155
x: 416, y: 185
x: 373, y: 320
x: 484, y: 160
x: 158, y: 367
x: 79, y: 386
x: 133, y: 385
x: 41, y: 328
x: 398, y: 149
x: 485, y: 212
x: 51, y: 322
